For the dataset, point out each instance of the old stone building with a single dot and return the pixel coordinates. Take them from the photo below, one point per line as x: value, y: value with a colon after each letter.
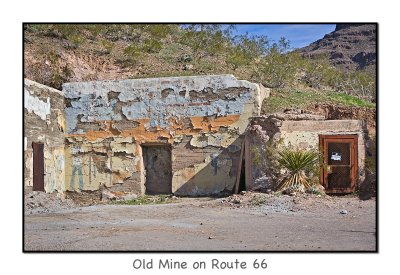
x: 340, y: 142
x: 181, y: 135
x: 44, y: 128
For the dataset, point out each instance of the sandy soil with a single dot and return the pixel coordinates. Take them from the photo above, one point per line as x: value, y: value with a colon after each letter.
x: 252, y: 221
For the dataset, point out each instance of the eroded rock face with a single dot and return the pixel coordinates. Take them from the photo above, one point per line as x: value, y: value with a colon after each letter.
x: 336, y: 112
x: 350, y: 46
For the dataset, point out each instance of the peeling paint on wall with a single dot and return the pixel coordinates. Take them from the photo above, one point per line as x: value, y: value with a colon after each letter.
x: 218, y: 140
x: 207, y: 113
x: 104, y: 125
x: 54, y: 169
x: 28, y: 169
x: 146, y: 99
x: 35, y: 105
x: 44, y: 110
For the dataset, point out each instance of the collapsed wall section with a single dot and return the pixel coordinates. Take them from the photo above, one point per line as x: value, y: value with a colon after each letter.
x: 201, y: 118
x: 44, y: 124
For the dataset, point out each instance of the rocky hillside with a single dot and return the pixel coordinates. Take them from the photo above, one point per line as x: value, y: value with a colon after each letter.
x: 58, y: 53
x: 350, y: 46
x: 55, y: 54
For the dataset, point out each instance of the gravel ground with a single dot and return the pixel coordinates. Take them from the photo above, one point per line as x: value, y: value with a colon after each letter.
x: 252, y: 221
x: 40, y: 202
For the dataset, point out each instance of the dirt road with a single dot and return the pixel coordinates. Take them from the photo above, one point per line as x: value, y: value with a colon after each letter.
x: 274, y: 223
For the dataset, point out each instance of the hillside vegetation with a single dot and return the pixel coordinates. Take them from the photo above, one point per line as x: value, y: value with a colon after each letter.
x: 58, y: 53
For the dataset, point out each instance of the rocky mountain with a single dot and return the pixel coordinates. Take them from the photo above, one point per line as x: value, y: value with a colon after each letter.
x: 350, y: 46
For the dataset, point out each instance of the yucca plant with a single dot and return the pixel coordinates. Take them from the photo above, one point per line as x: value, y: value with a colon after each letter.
x: 298, y: 162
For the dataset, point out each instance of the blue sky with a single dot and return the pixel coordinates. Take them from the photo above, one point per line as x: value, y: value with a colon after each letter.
x: 299, y: 35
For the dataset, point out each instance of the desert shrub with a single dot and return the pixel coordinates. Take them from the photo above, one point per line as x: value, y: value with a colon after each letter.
x: 151, y: 45
x: 159, y: 30
x: 205, y: 39
x: 108, y: 45
x: 52, y: 72
x: 210, y: 48
x: 52, y: 76
x: 278, y: 68
x: 317, y: 72
x: 247, y: 49
x: 174, y: 52
x: 72, y: 33
x: 130, y: 57
x: 145, y: 39
x: 298, y: 163
x: 358, y: 83
x: 35, y: 28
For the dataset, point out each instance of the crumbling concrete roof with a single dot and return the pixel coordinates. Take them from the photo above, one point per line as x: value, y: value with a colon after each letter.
x: 188, y: 83
x: 31, y: 83
x: 161, y: 101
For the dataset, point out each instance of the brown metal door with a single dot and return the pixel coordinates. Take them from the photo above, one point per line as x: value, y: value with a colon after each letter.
x: 340, y: 168
x: 38, y: 167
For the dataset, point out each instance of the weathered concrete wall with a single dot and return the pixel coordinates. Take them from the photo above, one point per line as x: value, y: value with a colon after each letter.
x: 303, y: 134
x: 203, y: 118
x: 44, y: 123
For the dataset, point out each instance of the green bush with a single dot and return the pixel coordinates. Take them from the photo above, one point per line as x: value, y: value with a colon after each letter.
x: 131, y: 54
x: 246, y: 49
x: 316, y: 71
x: 151, y: 45
x: 205, y: 39
x: 298, y: 163
x: 278, y: 68
x: 108, y: 45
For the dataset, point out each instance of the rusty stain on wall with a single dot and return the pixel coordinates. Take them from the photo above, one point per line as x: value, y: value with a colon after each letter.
x: 113, y: 119
x: 95, y: 133
x: 101, y: 127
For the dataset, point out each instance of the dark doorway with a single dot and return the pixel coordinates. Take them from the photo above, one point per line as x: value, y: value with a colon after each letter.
x: 340, y: 168
x: 38, y: 167
x: 158, y: 167
x: 240, y: 184
x: 242, y: 179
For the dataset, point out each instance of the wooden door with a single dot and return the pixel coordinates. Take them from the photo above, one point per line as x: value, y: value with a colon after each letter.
x: 158, y: 167
x: 339, y: 172
x: 38, y: 167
